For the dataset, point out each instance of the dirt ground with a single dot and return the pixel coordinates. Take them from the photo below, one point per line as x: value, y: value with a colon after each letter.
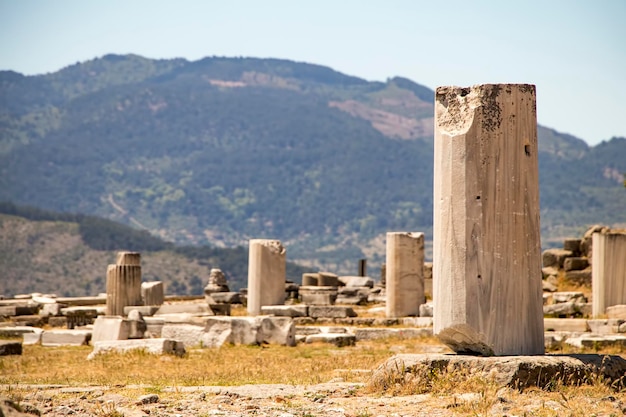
x: 333, y: 399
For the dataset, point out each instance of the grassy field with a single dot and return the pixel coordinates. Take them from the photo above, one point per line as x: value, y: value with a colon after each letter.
x: 139, y: 373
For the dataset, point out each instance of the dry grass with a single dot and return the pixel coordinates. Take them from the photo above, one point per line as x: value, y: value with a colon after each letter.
x: 229, y: 365
x: 138, y: 373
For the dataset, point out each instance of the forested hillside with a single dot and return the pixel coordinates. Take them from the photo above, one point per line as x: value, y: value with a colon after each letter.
x: 221, y: 150
x: 68, y: 254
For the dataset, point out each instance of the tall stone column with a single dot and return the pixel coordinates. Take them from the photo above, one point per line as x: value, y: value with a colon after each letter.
x: 405, y: 274
x: 608, y: 274
x: 123, y: 283
x: 266, y: 274
x: 487, y: 257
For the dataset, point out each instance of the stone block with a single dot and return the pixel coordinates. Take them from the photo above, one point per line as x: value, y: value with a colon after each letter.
x: 356, y: 281
x: 26, y: 309
x: 66, y: 337
x: 8, y: 347
x: 229, y: 297
x: 328, y: 279
x: 567, y: 296
x: 138, y: 326
x: 310, y: 279
x: 159, y: 346
x: 323, y: 296
x: 575, y: 264
x: 565, y: 325
x: 154, y: 325
x: 555, y: 257
x: 81, y: 316
x: 417, y: 321
x: 604, y: 326
x: 192, y: 309
x: 307, y: 330
x: 17, y: 331
x: 547, y: 286
x: 189, y: 334
x: 426, y: 309
x: 248, y: 331
x: 337, y: 339
x: 57, y: 321
x: 549, y: 271
x: 152, y: 293
x: 110, y: 328
x: 277, y: 330
x: 572, y: 245
x: 517, y: 372
x: 371, y: 333
x: 51, y: 309
x: 599, y: 342
x: 29, y: 320
x: 567, y: 309
x: 146, y: 311
x: 331, y: 311
x: 286, y: 311
x: 579, y: 277
x: 355, y: 300
x: 616, y: 312
x: 32, y: 338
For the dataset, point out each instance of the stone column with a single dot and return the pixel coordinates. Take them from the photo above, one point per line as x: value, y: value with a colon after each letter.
x: 152, y: 293
x: 266, y: 274
x: 608, y: 274
x: 487, y: 257
x: 405, y: 274
x: 128, y: 258
x: 123, y: 288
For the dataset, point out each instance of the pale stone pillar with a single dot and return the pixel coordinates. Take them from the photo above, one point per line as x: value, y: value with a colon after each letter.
x: 608, y: 274
x: 152, y: 293
x: 487, y: 257
x: 266, y: 274
x: 123, y: 288
x: 405, y: 274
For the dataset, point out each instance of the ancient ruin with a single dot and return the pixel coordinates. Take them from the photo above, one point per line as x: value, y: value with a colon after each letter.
x: 123, y: 283
x: 487, y: 256
x: 404, y: 274
x: 266, y: 274
x: 609, y: 270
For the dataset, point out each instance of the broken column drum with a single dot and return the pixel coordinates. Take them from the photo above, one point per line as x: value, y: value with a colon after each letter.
x: 486, y: 255
x: 266, y: 274
x: 123, y: 283
x: 608, y: 274
x: 404, y: 274
x: 123, y: 288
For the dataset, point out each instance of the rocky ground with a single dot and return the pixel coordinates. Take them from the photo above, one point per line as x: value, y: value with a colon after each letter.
x: 332, y: 399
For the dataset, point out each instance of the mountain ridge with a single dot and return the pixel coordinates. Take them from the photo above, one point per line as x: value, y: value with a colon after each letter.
x: 220, y: 150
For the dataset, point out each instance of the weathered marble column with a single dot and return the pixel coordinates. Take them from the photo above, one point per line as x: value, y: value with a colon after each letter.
x: 123, y: 288
x: 266, y: 274
x: 487, y: 257
x: 608, y: 274
x: 405, y: 274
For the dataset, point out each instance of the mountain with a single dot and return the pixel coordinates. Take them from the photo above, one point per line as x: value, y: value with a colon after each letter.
x: 67, y: 254
x: 221, y: 150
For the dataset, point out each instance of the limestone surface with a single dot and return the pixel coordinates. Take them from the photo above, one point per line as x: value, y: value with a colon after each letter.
x: 512, y: 371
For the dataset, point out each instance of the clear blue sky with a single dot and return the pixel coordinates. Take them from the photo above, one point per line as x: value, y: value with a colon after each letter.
x: 573, y: 50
